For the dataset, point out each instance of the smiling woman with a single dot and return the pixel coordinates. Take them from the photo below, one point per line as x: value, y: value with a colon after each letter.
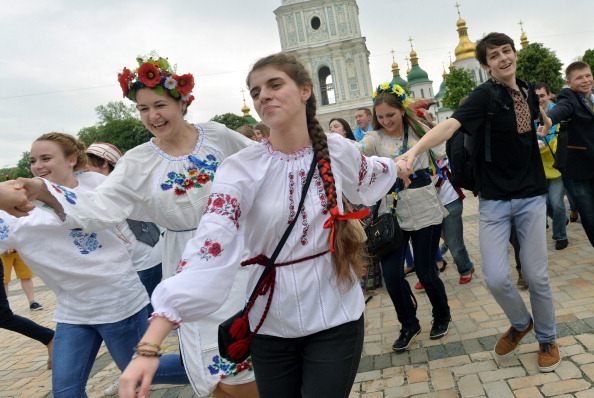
x: 169, y: 178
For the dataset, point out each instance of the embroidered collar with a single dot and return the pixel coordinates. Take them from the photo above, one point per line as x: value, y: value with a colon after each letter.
x: 165, y: 155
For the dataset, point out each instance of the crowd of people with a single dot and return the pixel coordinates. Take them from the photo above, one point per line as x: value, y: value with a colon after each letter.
x: 173, y: 219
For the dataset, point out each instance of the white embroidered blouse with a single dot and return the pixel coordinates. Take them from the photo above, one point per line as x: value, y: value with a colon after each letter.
x: 253, y: 200
x: 90, y: 273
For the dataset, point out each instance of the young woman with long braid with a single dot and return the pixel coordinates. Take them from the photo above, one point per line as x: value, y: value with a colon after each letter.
x: 310, y: 342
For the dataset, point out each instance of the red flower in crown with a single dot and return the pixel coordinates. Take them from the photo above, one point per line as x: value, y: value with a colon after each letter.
x: 149, y: 74
x: 125, y: 78
x: 185, y: 83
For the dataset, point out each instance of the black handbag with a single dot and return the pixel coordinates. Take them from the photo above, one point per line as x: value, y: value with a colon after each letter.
x: 383, y: 234
x: 234, y: 333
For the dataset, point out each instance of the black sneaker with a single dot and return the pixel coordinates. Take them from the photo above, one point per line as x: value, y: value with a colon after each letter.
x: 405, y: 338
x: 35, y: 306
x: 439, y: 329
x: 561, y: 244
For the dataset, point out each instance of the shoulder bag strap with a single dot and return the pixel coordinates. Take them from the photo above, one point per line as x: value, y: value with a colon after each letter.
x: 285, y: 236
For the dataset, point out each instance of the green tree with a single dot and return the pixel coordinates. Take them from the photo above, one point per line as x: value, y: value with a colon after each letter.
x: 537, y: 63
x: 118, y: 125
x: 231, y: 120
x: 589, y: 58
x: 459, y: 83
x: 21, y: 169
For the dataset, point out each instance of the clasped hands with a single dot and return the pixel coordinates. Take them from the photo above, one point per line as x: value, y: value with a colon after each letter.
x: 16, y: 196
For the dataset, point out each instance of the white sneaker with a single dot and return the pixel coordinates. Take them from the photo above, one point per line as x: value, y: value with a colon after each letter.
x: 112, y: 389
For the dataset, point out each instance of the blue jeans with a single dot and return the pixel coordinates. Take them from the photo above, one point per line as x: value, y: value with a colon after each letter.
x: 556, y: 207
x: 425, y: 244
x: 76, y: 347
x: 453, y: 235
x: 150, y: 278
x: 323, y: 364
x: 528, y: 216
x: 582, y: 192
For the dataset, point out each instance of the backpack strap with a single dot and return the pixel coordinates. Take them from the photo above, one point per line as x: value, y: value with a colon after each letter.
x: 493, y: 101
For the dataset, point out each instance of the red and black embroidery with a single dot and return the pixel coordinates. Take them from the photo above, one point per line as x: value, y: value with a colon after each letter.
x: 224, y: 205
x: 321, y: 193
x: 362, y: 171
x: 210, y: 249
x: 181, y: 265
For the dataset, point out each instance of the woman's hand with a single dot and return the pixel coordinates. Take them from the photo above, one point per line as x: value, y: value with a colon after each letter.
x: 403, y: 171
x: 14, y: 201
x: 36, y: 189
x: 141, y: 369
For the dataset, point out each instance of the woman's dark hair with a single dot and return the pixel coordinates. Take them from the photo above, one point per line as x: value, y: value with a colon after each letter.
x: 98, y: 162
x: 348, y: 250
x: 345, y: 125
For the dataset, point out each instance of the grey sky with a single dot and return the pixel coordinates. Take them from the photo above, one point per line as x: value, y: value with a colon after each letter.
x: 60, y: 58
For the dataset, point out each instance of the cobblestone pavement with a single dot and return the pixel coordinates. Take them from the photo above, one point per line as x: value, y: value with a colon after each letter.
x: 459, y: 365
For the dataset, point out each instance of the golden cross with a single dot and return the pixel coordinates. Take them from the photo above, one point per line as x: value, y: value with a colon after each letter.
x: 410, y: 39
x: 458, y: 7
x: 243, y: 94
x: 393, y: 52
x: 521, y: 26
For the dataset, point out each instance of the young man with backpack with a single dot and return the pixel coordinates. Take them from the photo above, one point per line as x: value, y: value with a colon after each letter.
x: 512, y: 190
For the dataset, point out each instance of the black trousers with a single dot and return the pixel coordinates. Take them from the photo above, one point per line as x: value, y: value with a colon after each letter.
x: 323, y: 364
x: 24, y: 326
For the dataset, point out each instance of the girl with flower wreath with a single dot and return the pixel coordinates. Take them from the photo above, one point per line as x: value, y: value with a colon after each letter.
x: 420, y: 213
x: 100, y: 297
x: 309, y: 342
x: 169, y: 179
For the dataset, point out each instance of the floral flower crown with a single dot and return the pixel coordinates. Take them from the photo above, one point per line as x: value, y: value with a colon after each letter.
x: 158, y: 75
x: 394, y: 89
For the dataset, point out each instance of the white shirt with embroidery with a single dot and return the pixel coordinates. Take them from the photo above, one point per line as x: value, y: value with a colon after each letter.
x: 253, y: 199
x: 90, y: 273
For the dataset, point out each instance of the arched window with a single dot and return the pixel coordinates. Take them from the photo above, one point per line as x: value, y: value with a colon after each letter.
x: 326, y: 86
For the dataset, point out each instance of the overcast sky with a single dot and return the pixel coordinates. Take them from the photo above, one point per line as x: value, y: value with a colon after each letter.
x: 60, y: 58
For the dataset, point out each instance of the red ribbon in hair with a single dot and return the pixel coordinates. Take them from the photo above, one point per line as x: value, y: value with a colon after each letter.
x: 335, y: 215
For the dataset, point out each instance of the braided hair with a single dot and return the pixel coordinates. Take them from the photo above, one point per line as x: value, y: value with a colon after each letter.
x: 348, y: 250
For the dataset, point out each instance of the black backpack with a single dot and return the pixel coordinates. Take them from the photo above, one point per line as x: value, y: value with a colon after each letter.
x: 462, y: 150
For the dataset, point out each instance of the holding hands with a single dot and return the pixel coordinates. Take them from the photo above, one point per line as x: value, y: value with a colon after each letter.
x: 14, y: 200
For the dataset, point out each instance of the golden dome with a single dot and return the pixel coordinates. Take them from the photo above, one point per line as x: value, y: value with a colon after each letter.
x: 395, y: 69
x: 245, y: 110
x: 465, y: 48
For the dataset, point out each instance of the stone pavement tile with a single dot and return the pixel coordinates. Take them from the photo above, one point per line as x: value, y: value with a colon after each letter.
x: 474, y: 368
x: 564, y: 387
x: 367, y: 376
x: 438, y: 394
x: 418, y: 356
x: 417, y: 375
x: 584, y: 358
x: 406, y: 390
x: 589, y: 393
x: 588, y: 370
x: 529, y: 392
x: 533, y: 380
x: 372, y: 395
x: 470, y: 386
x: 449, y: 362
x: 587, y: 340
x: 501, y: 374
x: 442, y: 379
x: 567, y: 370
x: 498, y: 389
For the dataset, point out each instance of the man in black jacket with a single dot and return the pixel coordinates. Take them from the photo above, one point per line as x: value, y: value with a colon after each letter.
x: 575, y: 105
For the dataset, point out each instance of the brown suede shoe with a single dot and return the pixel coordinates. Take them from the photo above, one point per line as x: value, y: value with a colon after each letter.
x: 509, y: 341
x: 548, y: 356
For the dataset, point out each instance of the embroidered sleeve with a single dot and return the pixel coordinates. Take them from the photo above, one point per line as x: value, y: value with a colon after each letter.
x: 224, y: 205
x: 4, y: 230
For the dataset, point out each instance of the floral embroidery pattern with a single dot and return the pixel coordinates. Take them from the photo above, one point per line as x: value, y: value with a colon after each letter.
x: 199, y: 173
x: 224, y: 368
x: 303, y: 212
x: 209, y: 250
x: 362, y: 171
x: 86, y: 243
x: 181, y: 265
x: 291, y: 200
x: 321, y: 193
x: 224, y: 205
x: 4, y: 230
x: 292, y: 209
x: 68, y: 195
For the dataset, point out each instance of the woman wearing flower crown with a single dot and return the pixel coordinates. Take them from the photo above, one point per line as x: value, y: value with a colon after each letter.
x: 100, y: 298
x: 170, y: 178
x: 419, y: 210
x: 309, y: 343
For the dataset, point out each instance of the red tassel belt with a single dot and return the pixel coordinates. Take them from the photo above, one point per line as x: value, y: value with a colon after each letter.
x: 240, y: 328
